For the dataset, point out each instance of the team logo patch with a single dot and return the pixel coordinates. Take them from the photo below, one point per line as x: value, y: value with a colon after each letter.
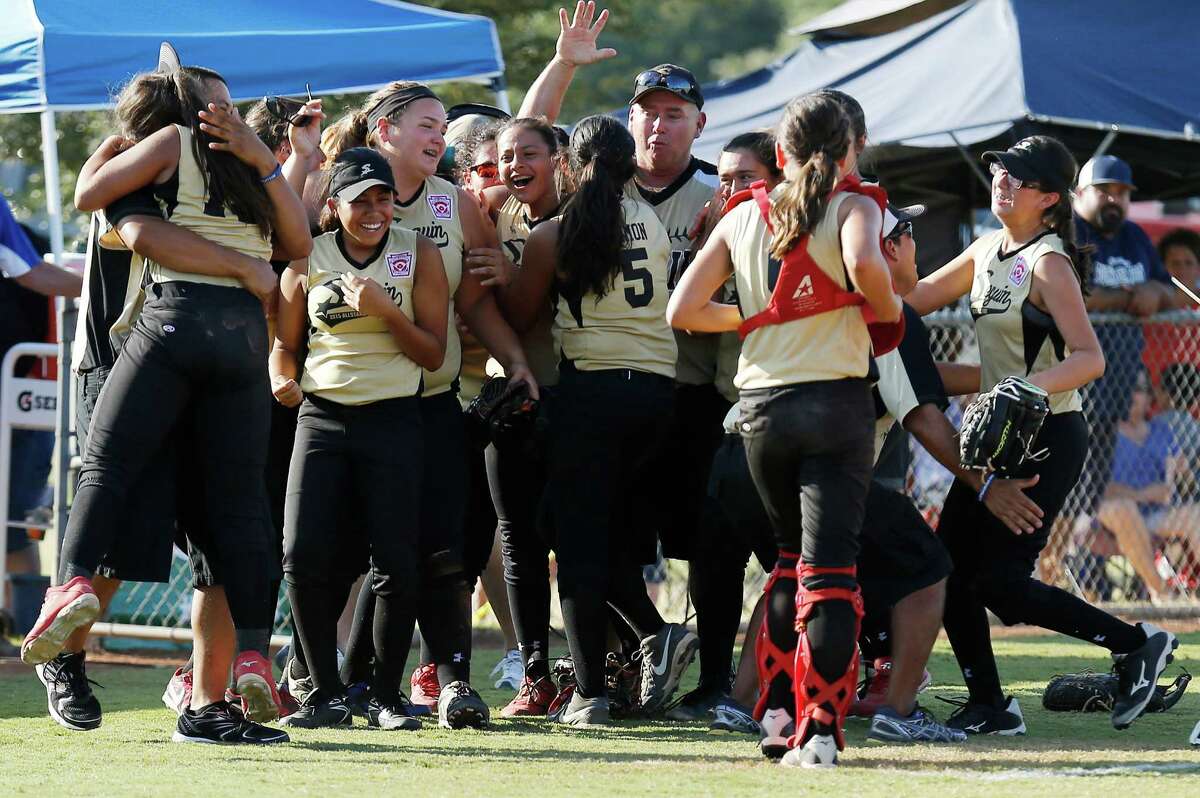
x: 399, y: 264
x: 441, y: 206
x: 1020, y: 271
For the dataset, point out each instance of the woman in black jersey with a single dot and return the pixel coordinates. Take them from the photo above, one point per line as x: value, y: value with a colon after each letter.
x: 1024, y: 282
x: 369, y: 307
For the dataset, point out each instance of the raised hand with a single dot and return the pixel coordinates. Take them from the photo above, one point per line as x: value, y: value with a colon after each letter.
x: 235, y: 136
x: 306, y: 139
x: 577, y: 38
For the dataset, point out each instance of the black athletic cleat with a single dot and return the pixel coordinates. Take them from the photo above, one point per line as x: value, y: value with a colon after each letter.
x: 218, y: 724
x: 1138, y: 672
x: 460, y: 706
x: 583, y: 713
x: 665, y: 656
x: 697, y: 705
x: 393, y: 715
x: 730, y: 717
x: 69, y: 692
x: 1006, y: 721
x: 320, y: 712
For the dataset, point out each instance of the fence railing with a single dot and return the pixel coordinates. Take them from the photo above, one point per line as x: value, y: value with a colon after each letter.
x: 1128, y: 538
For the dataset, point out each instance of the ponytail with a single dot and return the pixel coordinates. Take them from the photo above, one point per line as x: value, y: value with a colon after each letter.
x: 1061, y: 219
x: 814, y: 134
x: 592, y: 232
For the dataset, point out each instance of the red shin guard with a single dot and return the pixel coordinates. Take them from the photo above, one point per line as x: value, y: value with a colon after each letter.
x: 814, y: 695
x: 772, y: 660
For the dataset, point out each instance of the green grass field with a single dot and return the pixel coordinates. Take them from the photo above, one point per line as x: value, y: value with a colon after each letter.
x: 1067, y: 754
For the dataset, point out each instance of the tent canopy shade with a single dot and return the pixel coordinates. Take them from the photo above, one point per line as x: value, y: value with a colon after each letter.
x: 64, y: 55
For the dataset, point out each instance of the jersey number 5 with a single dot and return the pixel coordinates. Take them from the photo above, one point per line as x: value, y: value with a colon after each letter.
x: 632, y: 275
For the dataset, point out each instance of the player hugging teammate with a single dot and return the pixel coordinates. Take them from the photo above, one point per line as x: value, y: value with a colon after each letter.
x: 783, y: 285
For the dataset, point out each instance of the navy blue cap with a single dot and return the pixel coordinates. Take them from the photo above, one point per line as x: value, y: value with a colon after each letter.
x: 1105, y: 169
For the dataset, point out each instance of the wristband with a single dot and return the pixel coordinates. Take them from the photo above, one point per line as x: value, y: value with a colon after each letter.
x: 987, y: 483
x: 275, y: 174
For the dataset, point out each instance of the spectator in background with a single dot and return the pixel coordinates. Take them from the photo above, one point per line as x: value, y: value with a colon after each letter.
x: 23, y: 317
x: 1138, y: 502
x: 1180, y: 383
x: 1179, y: 251
x: 1128, y: 277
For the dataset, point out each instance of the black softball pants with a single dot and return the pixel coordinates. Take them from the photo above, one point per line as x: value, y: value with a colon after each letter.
x: 204, y: 346
x: 365, y: 460
x: 601, y: 490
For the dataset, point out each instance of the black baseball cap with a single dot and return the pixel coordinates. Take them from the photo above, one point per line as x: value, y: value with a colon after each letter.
x: 894, y: 216
x: 1037, y: 159
x: 668, y: 77
x: 356, y: 170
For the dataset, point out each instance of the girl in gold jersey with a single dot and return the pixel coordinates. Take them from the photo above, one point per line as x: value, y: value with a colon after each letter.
x: 807, y: 413
x: 406, y: 123
x: 605, y: 260
x: 1024, y: 283
x: 200, y: 341
x: 369, y: 308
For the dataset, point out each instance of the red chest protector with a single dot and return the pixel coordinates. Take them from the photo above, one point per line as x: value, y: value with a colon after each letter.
x: 803, y: 288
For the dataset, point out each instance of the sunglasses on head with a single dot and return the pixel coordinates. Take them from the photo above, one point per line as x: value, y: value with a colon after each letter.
x: 486, y: 170
x: 899, y: 231
x: 285, y: 109
x: 1015, y: 182
x: 651, y: 79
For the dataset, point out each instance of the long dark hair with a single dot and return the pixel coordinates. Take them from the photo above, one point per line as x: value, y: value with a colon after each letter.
x: 815, y: 135
x: 592, y: 231
x: 152, y: 100
x: 1060, y: 217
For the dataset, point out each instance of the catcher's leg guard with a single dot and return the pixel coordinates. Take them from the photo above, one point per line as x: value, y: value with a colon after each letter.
x: 818, y: 699
x: 773, y: 660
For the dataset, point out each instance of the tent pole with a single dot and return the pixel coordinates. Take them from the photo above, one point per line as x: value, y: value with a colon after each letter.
x: 62, y: 427
x: 987, y: 184
x: 1106, y: 143
x: 500, y: 88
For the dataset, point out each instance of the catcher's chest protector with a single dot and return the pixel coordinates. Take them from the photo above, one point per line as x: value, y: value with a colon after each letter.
x: 803, y: 288
x: 1015, y: 337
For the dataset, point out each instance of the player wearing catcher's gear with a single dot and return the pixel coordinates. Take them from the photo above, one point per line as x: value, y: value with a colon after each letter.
x: 374, y: 299
x: 1024, y: 285
x: 807, y: 412
x: 405, y: 121
x: 606, y: 261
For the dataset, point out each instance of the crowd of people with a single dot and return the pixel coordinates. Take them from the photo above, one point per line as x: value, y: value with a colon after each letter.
x: 284, y: 319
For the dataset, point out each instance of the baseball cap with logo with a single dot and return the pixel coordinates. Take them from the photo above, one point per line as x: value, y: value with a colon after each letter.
x: 1105, y: 169
x: 1039, y: 160
x: 356, y: 170
x: 668, y: 77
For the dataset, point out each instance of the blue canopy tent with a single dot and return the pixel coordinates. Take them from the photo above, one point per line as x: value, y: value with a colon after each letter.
x: 58, y: 55
x: 943, y: 79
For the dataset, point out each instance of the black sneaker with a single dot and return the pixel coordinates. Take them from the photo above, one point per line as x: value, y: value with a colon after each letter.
x: 320, y: 711
x: 69, y: 692
x: 1006, y: 721
x: 394, y: 715
x: 218, y: 723
x: 1138, y: 672
x: 665, y: 656
x: 460, y: 706
x: 698, y: 704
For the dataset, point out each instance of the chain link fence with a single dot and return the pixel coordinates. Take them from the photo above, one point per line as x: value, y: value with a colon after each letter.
x: 1128, y: 538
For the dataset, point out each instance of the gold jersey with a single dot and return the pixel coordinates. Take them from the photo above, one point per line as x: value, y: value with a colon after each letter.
x: 354, y: 359
x: 200, y: 210
x: 512, y: 226
x: 828, y: 346
x: 627, y: 327
x: 1015, y: 337
x: 434, y: 213
x: 677, y: 206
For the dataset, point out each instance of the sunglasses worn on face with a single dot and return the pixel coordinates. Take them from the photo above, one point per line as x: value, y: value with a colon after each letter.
x: 651, y: 79
x: 1015, y: 182
x: 285, y: 109
x: 488, y: 170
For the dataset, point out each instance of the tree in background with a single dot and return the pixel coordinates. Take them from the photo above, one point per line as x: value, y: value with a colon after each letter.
x: 715, y: 39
